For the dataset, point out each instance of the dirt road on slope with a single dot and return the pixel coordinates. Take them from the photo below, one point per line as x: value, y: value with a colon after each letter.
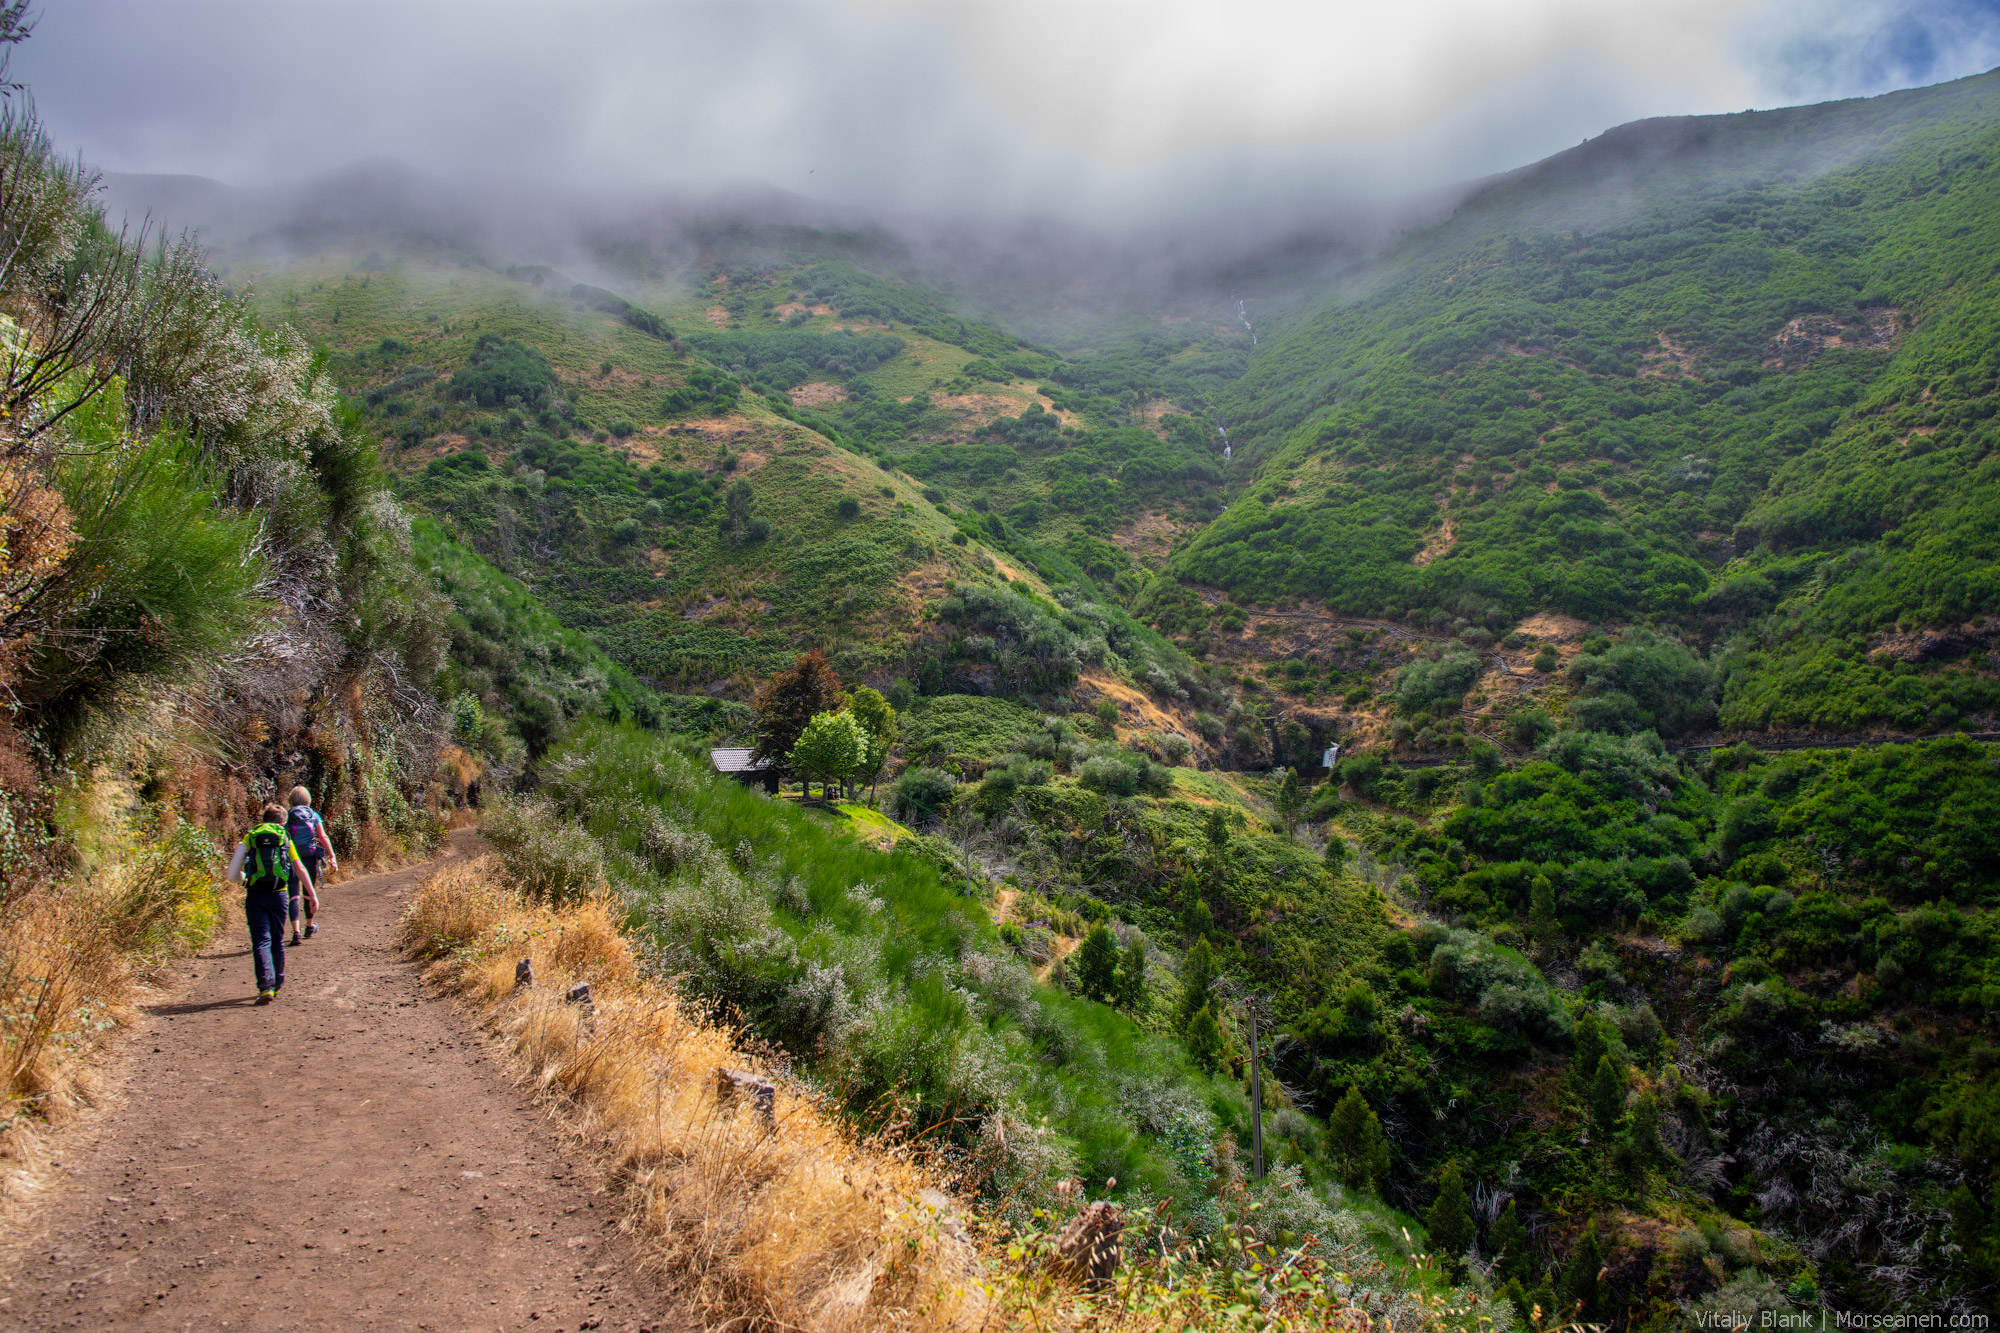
x: 349, y: 1157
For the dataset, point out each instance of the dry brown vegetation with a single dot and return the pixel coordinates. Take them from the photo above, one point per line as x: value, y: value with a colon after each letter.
x: 74, y: 954
x: 798, y: 1223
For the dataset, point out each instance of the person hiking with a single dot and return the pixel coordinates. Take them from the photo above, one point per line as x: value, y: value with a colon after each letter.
x: 268, y: 866
x: 308, y: 834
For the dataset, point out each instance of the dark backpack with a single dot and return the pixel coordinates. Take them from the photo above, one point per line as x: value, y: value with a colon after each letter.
x: 300, y: 826
x: 267, y: 866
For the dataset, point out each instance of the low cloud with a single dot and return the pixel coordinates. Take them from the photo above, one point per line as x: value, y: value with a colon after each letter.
x: 1104, y: 109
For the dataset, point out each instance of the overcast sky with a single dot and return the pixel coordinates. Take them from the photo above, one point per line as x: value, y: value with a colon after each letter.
x: 1089, y: 108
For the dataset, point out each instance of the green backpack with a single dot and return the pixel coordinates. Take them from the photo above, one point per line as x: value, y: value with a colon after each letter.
x: 267, y: 868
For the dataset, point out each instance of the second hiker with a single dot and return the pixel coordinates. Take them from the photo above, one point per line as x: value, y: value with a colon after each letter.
x: 308, y: 834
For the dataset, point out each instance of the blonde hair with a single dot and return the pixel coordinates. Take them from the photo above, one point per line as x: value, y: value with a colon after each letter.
x: 300, y: 796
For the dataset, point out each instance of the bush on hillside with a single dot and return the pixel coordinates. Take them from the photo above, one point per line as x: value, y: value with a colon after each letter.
x: 921, y: 795
x: 1646, y: 682
x: 1437, y: 685
x: 504, y: 373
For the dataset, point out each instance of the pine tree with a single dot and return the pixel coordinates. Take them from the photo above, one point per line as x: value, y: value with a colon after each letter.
x: 1542, y: 923
x: 1642, y: 1126
x: 1508, y: 1240
x: 737, y: 505
x: 1449, y: 1219
x: 1097, y: 965
x: 1290, y: 799
x: 1607, y: 1098
x: 1197, y: 975
x: 1591, y: 1047
x: 1132, y: 974
x: 1579, y: 1275
x: 1543, y: 1298
x: 1206, y: 1041
x: 1355, y: 1142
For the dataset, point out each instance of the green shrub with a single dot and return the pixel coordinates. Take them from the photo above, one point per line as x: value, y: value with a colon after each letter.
x: 502, y: 372
x: 921, y: 795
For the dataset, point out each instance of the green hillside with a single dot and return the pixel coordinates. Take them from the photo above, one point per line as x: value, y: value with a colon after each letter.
x: 1676, y: 438
x: 1732, y: 376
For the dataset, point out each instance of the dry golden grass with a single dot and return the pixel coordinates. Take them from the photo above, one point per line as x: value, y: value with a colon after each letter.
x: 798, y: 1226
x: 802, y: 1225
x: 74, y: 956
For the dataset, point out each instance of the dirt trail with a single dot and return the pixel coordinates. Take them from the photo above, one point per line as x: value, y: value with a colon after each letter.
x: 350, y: 1157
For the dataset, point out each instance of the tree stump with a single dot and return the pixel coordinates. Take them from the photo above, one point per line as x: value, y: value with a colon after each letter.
x: 580, y: 994
x: 737, y: 1085
x: 524, y: 973
x: 1092, y: 1243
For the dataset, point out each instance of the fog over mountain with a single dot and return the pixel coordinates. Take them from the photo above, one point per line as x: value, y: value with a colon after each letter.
x: 1105, y: 110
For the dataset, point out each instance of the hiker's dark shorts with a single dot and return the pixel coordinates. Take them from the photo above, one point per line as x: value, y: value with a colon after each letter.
x: 312, y: 865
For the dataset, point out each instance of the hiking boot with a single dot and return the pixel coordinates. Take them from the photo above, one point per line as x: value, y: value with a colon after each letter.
x: 311, y: 930
x: 297, y: 939
x: 266, y: 996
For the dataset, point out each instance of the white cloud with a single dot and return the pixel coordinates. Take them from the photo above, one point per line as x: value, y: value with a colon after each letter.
x: 1126, y: 80
x: 1087, y: 107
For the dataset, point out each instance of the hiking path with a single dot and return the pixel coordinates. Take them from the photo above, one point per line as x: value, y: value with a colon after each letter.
x: 352, y: 1156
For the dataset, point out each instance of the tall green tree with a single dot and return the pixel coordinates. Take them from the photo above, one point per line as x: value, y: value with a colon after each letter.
x: 1215, y: 829
x: 736, y: 510
x: 1507, y: 1238
x: 1356, y: 1143
x: 1197, y: 975
x: 1290, y: 799
x: 829, y: 749
x: 1206, y: 1040
x: 876, y: 717
x: 1591, y: 1045
x: 1642, y: 1131
x: 1579, y: 1286
x: 1097, y: 965
x: 1607, y: 1098
x: 1542, y: 923
x: 1132, y: 974
x: 1449, y: 1219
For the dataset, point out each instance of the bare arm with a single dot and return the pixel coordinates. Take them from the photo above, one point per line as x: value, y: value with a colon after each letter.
x: 299, y: 868
x: 319, y: 831
x: 235, y: 871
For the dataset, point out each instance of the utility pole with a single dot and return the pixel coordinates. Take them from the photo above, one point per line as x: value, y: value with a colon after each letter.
x: 1256, y: 1097
x: 1227, y: 988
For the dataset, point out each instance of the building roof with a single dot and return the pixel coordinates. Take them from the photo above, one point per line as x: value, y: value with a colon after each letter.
x: 736, y: 761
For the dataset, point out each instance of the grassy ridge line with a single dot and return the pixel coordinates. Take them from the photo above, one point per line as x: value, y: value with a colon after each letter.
x: 647, y: 577
x: 821, y: 572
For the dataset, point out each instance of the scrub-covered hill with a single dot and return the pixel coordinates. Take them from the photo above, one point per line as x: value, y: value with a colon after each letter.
x: 1732, y: 376
x: 710, y: 483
